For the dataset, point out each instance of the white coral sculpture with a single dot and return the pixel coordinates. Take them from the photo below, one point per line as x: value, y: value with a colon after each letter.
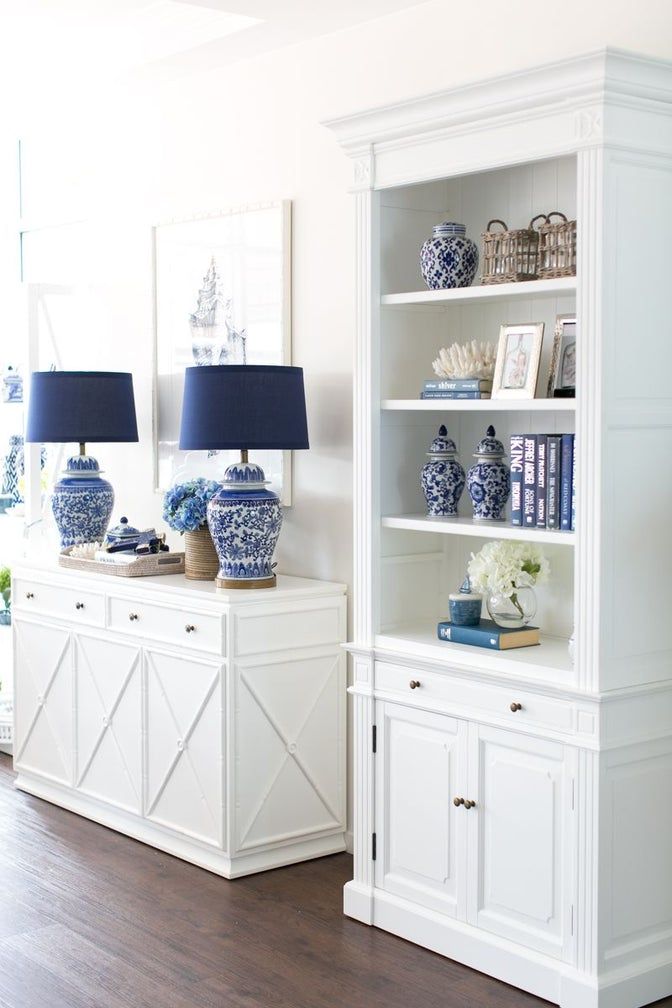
x: 469, y: 360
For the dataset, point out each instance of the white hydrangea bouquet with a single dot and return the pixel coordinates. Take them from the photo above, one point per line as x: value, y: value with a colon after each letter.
x: 502, y: 567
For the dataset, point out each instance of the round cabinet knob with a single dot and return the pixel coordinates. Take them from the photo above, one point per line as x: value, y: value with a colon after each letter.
x: 469, y: 804
x: 458, y: 801
x: 190, y: 628
x: 29, y: 595
x: 515, y: 706
x: 414, y: 683
x: 79, y: 605
x: 132, y: 616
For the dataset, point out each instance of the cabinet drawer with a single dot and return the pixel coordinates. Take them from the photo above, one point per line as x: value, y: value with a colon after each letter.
x: 197, y: 631
x: 71, y: 604
x: 457, y: 696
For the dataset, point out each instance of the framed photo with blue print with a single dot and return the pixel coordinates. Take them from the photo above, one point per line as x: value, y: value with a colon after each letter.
x: 222, y: 295
x: 562, y: 372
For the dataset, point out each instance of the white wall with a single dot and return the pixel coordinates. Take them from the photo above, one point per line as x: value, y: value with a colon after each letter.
x: 161, y: 148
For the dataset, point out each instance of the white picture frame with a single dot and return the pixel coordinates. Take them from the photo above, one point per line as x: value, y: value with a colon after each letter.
x: 517, y: 364
x: 251, y: 284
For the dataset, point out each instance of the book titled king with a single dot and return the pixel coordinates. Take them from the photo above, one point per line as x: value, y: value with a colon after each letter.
x: 488, y: 634
x: 516, y: 458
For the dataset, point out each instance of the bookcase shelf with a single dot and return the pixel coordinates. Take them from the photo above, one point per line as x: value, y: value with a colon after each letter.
x: 549, y: 660
x: 483, y: 530
x: 481, y: 405
x: 560, y: 287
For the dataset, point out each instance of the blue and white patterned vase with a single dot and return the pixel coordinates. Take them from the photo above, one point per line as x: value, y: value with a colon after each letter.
x: 82, y: 502
x: 442, y: 477
x: 489, y: 480
x: 244, y: 519
x: 449, y: 258
x: 13, y: 468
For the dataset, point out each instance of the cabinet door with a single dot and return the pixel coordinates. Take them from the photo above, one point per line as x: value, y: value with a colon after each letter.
x: 420, y: 832
x: 184, y: 745
x: 108, y: 721
x: 518, y: 838
x: 43, y: 700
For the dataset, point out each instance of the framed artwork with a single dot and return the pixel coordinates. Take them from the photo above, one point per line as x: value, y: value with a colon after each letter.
x: 517, y: 364
x: 562, y: 373
x: 222, y: 295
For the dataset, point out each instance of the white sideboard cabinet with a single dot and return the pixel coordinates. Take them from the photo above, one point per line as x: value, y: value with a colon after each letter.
x: 210, y: 724
x: 512, y: 809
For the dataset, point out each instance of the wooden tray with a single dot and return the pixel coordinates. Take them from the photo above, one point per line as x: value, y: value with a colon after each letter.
x: 144, y: 566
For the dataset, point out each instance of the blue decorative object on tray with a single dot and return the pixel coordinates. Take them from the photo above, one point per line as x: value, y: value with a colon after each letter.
x: 489, y: 480
x: 81, y: 406
x: 449, y: 258
x: 246, y: 407
x: 465, y: 605
x: 442, y: 477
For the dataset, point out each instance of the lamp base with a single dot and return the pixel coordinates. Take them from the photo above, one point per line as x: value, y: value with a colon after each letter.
x: 246, y: 583
x: 82, y: 502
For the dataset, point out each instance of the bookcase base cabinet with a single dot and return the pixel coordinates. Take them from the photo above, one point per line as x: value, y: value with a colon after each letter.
x: 226, y: 749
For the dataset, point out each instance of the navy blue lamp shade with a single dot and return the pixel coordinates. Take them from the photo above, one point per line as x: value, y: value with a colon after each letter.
x: 243, y: 406
x: 81, y: 406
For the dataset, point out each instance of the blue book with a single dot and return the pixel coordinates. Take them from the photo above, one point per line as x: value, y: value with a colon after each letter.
x: 573, y: 508
x: 516, y: 460
x: 566, y: 475
x: 542, y: 442
x: 488, y: 635
x: 458, y: 385
x: 553, y: 481
x: 455, y: 395
x: 529, y: 480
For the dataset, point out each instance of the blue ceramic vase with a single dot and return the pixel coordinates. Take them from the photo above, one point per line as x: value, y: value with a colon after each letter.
x: 449, y: 258
x: 82, y: 502
x: 442, y: 477
x: 244, y: 519
x: 489, y: 480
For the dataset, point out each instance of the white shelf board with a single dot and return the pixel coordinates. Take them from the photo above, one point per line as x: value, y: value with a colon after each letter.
x: 482, y: 405
x: 469, y: 527
x: 559, y: 287
x: 547, y: 660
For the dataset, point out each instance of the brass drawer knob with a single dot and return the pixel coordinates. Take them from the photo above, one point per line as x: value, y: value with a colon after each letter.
x: 515, y: 706
x: 29, y: 595
x: 133, y: 616
x: 190, y: 628
x: 79, y: 605
x: 458, y: 801
x: 414, y: 683
x: 469, y: 804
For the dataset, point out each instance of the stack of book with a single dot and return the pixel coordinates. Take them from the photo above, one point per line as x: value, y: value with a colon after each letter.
x: 457, y: 388
x: 542, y: 481
x: 489, y: 635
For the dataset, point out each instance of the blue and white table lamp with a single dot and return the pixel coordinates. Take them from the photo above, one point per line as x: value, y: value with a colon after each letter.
x: 244, y: 407
x: 81, y: 407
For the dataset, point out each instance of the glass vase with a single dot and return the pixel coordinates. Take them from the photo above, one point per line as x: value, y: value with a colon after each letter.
x: 514, y: 612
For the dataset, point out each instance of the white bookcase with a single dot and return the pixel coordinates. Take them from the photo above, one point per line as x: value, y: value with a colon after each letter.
x: 555, y: 874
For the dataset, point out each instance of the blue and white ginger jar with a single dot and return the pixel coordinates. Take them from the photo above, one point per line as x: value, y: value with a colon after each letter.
x: 82, y: 502
x: 449, y: 258
x: 244, y: 519
x: 489, y: 480
x: 442, y: 477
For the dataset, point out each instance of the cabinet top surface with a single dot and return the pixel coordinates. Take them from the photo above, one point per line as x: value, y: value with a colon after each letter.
x: 287, y: 587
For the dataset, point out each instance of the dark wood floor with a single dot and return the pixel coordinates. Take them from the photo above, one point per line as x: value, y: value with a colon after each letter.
x: 91, y: 918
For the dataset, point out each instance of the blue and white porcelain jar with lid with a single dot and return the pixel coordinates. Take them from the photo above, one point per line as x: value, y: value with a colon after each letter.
x: 449, y: 258
x: 442, y: 477
x: 489, y: 480
x: 82, y: 502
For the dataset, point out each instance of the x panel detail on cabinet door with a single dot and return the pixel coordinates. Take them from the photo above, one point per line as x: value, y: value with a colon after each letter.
x: 421, y: 833
x: 108, y: 723
x: 43, y: 700
x: 184, y: 745
x: 519, y: 848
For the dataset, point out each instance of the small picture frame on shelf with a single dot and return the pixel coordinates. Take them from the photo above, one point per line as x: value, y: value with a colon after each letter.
x: 562, y: 372
x: 517, y: 365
